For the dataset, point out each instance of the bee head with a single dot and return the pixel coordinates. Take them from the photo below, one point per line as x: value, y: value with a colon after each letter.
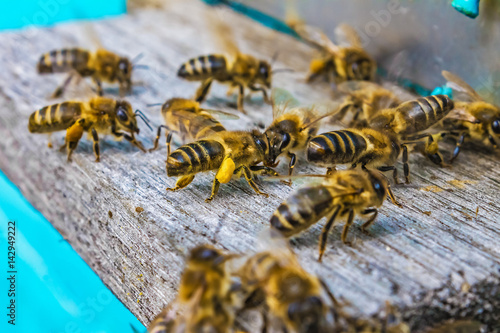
x: 379, y: 184
x: 207, y: 256
x: 125, y: 117
x: 264, y: 74
x: 124, y: 73
x: 280, y: 139
x: 359, y: 66
x: 307, y: 315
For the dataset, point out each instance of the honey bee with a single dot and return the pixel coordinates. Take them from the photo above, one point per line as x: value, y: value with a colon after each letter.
x: 343, y: 193
x: 290, y: 294
x: 236, y: 69
x: 391, y: 130
x: 189, y: 120
x: 99, y: 115
x: 292, y: 127
x: 472, y: 118
x: 228, y: 152
x: 337, y: 63
x: 101, y: 66
x: 204, y: 293
x: 363, y: 100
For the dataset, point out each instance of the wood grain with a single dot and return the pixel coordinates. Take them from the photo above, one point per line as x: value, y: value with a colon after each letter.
x: 417, y: 256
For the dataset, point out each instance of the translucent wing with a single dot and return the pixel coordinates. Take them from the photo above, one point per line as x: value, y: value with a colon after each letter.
x: 93, y: 35
x: 460, y: 112
x: 456, y: 83
x: 282, y: 101
x: 314, y: 36
x: 346, y: 35
x: 221, y: 114
x: 322, y: 110
x: 222, y: 32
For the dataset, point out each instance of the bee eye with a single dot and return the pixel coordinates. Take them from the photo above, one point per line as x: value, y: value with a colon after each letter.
x: 208, y: 254
x: 122, y: 115
x: 123, y: 66
x: 263, y: 71
x: 379, y: 188
x: 496, y: 126
x: 286, y: 140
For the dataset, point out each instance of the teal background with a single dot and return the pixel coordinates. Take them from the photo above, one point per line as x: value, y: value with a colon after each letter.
x: 22, y: 13
x: 56, y: 291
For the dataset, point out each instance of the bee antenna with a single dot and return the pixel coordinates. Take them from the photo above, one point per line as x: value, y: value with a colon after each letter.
x: 153, y: 104
x: 138, y: 57
x: 282, y: 70
x: 144, y: 118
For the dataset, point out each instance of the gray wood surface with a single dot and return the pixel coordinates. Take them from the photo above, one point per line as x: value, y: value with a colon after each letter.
x: 417, y: 257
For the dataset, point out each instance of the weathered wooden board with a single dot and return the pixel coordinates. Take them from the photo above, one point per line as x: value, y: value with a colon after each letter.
x: 415, y: 256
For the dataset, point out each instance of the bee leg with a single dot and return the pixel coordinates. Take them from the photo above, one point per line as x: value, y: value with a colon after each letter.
x: 241, y: 96
x: 248, y: 176
x: 60, y: 90
x: 348, y: 224
x: 130, y: 139
x: 293, y: 160
x: 73, y: 135
x: 456, y: 151
x: 394, y: 172
x: 203, y: 90
x: 181, y: 183
x: 392, y: 197
x: 263, y: 170
x: 95, y: 138
x: 406, y: 167
x: 367, y: 211
x: 265, y: 322
x: 167, y: 142
x: 263, y: 90
x: 98, y: 85
x: 215, y: 189
x: 325, y: 231
x: 157, y: 139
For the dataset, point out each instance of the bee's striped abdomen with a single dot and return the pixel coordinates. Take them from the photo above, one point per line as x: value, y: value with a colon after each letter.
x: 425, y: 111
x: 336, y: 147
x: 304, y: 208
x: 199, y: 156
x: 54, y: 117
x: 203, y: 67
x: 59, y: 61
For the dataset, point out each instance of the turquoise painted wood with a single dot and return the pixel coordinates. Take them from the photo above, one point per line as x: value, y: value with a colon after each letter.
x: 19, y: 14
x: 56, y: 291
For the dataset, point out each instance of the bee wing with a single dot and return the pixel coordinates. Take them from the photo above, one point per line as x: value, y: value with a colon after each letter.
x: 320, y: 111
x: 346, y: 35
x: 456, y: 83
x: 282, y: 101
x: 224, y: 37
x: 314, y: 36
x: 92, y: 35
x: 221, y: 114
x: 460, y: 112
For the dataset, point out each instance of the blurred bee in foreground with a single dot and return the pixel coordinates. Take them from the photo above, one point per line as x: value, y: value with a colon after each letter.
x: 188, y: 119
x: 338, y: 63
x: 296, y: 299
x: 101, y: 66
x: 204, y: 302
x: 98, y: 116
x: 362, y: 101
x: 292, y: 127
x: 343, y: 193
x: 389, y: 132
x: 473, y: 118
x: 236, y: 69
x: 457, y: 326
x: 229, y: 152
